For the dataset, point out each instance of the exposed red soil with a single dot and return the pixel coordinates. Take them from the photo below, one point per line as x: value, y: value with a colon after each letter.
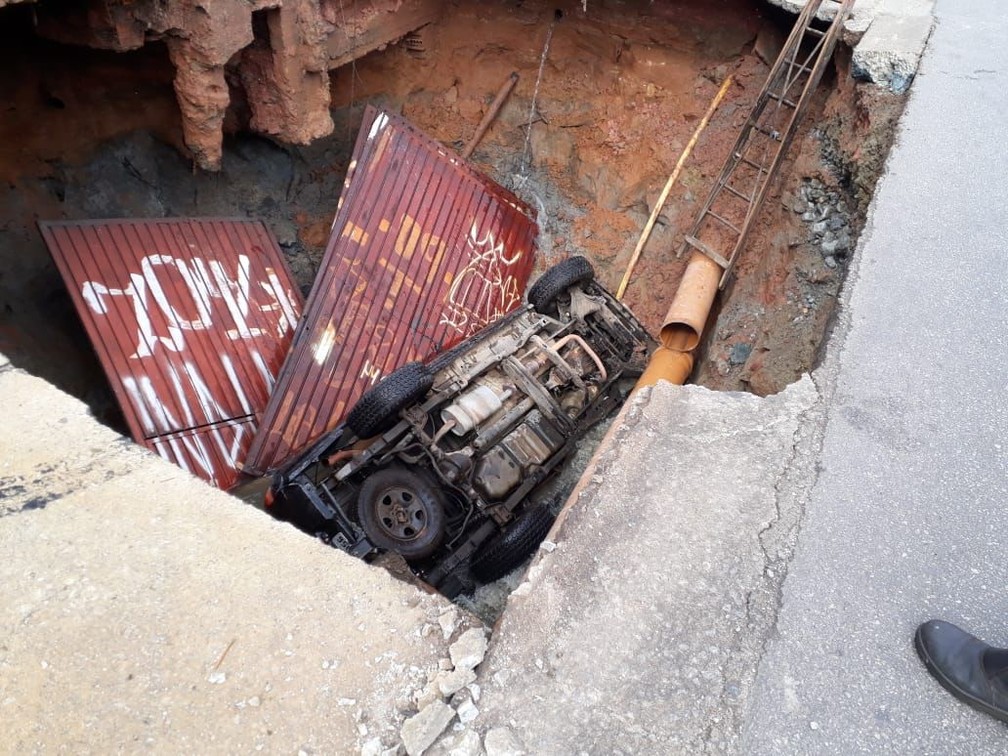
x: 623, y: 88
x: 621, y: 93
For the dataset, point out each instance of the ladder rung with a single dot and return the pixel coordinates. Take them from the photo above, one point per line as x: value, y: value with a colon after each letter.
x: 775, y: 135
x: 699, y: 245
x: 792, y: 64
x: 814, y: 32
x: 784, y: 100
x: 724, y: 221
x: 737, y: 193
x: 750, y: 163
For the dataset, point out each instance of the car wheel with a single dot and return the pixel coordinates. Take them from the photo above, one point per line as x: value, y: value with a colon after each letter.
x: 401, y: 511
x: 377, y: 410
x: 555, y: 281
x: 513, y: 545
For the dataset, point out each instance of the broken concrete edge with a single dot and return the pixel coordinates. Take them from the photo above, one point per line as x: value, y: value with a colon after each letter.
x: 890, y: 52
x: 445, y: 723
x: 229, y: 623
x: 796, y: 485
x: 623, y: 576
x: 888, y: 37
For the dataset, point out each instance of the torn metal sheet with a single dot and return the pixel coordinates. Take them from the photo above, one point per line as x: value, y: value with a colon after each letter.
x: 191, y: 320
x: 424, y: 252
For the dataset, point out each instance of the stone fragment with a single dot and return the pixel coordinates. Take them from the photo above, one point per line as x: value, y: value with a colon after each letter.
x: 467, y: 712
x: 465, y: 742
x: 739, y: 353
x: 830, y: 246
x: 421, y: 730
x: 373, y: 747
x: 426, y: 696
x: 500, y: 741
x: 448, y: 620
x: 450, y: 683
x: 474, y: 691
x: 469, y: 649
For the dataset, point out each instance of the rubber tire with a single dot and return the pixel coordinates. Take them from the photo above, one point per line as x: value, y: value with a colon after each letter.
x: 512, y: 546
x: 556, y: 280
x: 378, y: 409
x: 385, y: 482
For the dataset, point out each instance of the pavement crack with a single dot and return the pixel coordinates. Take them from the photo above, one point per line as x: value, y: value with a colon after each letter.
x: 794, y: 479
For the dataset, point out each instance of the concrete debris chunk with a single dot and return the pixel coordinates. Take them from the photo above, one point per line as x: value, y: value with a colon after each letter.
x: 448, y: 620
x: 467, y: 712
x: 426, y: 696
x: 450, y: 683
x: 373, y: 747
x: 468, y: 651
x: 465, y: 742
x: 421, y: 730
x: 500, y: 741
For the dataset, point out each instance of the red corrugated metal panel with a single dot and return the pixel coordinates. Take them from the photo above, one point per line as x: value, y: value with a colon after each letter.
x: 191, y: 320
x: 424, y: 252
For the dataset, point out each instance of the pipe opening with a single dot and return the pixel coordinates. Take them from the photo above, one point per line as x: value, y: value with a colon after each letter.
x: 680, y: 337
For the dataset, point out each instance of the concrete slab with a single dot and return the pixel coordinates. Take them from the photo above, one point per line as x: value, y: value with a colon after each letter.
x: 907, y: 519
x: 141, y: 609
x: 641, y: 631
x: 891, y: 49
x: 888, y: 36
x: 860, y: 19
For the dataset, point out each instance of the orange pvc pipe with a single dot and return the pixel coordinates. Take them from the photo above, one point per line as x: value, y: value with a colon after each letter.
x: 666, y: 365
x: 691, y: 305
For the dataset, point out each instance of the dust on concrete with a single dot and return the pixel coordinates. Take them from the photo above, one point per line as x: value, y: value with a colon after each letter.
x: 672, y: 618
x: 142, y: 582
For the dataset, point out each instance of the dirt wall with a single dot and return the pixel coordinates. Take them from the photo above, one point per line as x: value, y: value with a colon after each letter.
x: 92, y: 133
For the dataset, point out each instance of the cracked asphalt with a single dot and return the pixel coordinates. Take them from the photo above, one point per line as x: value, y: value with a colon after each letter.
x: 907, y: 518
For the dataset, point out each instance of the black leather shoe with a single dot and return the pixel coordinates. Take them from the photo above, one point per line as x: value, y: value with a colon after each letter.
x: 969, y: 669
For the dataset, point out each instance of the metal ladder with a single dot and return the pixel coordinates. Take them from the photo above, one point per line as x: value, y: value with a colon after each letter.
x: 726, y: 217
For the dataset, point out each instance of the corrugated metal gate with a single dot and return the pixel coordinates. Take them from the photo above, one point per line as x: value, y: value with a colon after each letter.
x: 424, y: 252
x: 191, y: 320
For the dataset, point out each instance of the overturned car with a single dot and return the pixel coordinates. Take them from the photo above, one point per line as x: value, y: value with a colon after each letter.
x: 445, y: 463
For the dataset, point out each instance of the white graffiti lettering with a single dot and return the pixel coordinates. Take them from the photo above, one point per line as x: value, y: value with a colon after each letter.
x: 371, y: 372
x: 163, y: 322
x: 162, y: 416
x: 483, y: 291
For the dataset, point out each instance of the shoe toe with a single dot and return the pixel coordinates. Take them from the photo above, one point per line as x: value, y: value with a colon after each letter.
x: 953, y: 656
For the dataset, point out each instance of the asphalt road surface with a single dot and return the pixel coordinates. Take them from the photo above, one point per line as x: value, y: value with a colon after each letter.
x: 909, y: 515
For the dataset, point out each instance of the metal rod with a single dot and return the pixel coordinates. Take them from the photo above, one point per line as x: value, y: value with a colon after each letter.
x: 491, y: 113
x: 668, y: 186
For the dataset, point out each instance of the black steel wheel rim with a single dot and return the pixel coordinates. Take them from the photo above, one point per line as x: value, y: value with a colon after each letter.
x: 401, y: 514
